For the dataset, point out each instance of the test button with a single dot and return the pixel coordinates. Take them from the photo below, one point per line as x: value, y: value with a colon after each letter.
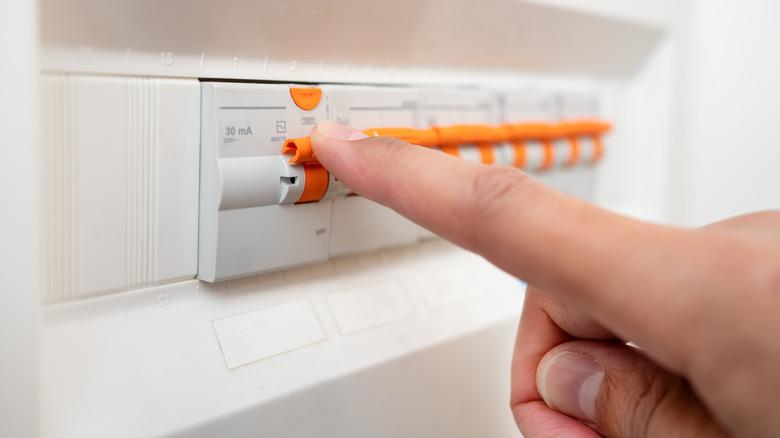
x: 306, y: 98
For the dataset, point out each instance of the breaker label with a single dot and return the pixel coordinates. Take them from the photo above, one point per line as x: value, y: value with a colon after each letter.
x: 233, y: 134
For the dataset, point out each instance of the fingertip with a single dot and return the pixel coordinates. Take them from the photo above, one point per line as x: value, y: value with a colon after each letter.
x: 330, y: 141
x: 570, y: 382
x: 338, y: 131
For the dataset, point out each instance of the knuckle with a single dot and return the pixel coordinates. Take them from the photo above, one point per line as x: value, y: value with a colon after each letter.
x: 647, y: 402
x: 391, y: 145
x: 772, y: 276
x: 390, y: 149
x: 492, y: 189
x: 657, y: 390
x: 487, y: 195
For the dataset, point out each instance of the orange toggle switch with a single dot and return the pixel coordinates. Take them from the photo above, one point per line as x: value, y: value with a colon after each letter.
x: 420, y: 137
x: 315, y: 184
x: 301, y: 150
x: 306, y: 98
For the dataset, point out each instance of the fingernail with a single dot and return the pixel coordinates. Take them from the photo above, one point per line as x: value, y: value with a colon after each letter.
x: 337, y: 131
x: 570, y: 383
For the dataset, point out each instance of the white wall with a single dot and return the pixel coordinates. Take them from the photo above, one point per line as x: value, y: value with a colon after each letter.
x: 727, y: 158
x: 19, y: 299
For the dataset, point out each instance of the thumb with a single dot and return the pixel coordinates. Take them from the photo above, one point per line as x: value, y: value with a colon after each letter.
x: 618, y: 391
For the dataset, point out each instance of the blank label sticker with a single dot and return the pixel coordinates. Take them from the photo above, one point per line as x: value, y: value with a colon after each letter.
x: 444, y: 288
x: 263, y: 333
x: 370, y: 306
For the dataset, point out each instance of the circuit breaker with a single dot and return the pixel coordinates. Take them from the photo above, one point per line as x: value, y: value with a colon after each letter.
x: 267, y: 204
x: 249, y: 221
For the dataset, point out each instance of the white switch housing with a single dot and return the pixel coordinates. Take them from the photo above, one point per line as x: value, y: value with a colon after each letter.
x: 121, y: 176
x: 242, y: 229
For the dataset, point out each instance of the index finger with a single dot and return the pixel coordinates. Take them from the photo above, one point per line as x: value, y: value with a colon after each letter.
x: 624, y: 272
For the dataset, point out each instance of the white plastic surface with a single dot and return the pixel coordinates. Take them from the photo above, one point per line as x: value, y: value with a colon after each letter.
x: 413, y: 341
x: 259, y: 181
x: 242, y: 232
x: 534, y: 155
x: 20, y: 220
x: 121, y: 177
x: 254, y: 40
x: 264, y: 333
x: 562, y: 152
x: 361, y: 225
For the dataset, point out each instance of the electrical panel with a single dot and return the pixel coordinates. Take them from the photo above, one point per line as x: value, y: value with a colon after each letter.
x: 267, y: 204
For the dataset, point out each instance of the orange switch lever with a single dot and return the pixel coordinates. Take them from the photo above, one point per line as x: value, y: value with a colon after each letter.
x: 316, y: 183
x: 301, y: 150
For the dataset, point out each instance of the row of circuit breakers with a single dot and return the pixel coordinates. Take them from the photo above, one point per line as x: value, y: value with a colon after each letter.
x: 266, y: 203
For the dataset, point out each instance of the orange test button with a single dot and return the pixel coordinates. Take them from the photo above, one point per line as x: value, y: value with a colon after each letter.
x: 306, y: 98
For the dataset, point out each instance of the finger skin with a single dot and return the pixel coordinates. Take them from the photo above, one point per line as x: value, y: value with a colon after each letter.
x: 760, y: 228
x: 538, y: 334
x: 638, y: 397
x: 701, y: 303
x: 619, y: 270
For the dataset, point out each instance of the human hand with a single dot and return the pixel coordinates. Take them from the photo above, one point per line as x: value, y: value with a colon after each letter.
x: 703, y: 304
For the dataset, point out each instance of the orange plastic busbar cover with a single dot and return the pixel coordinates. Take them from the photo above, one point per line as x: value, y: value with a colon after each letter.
x: 472, y: 134
x: 537, y: 131
x: 448, y: 138
x: 420, y: 137
x: 586, y: 128
x: 483, y: 136
x: 574, y: 155
x: 520, y: 158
